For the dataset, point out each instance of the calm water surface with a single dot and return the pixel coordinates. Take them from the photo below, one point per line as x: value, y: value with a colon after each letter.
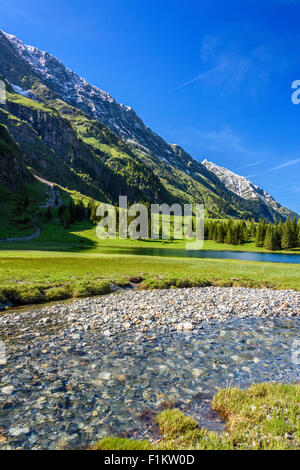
x: 212, y: 254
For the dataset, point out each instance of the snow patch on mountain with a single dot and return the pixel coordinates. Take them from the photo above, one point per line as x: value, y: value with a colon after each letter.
x: 21, y: 91
x: 52, y: 69
x: 239, y: 184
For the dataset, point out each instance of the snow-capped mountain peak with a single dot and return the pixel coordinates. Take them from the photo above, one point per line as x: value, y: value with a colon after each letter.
x: 239, y: 184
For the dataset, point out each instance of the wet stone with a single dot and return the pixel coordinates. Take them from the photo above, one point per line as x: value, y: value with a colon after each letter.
x: 108, y: 365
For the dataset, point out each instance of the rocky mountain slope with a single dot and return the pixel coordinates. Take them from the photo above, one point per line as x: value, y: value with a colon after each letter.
x: 13, y: 172
x: 241, y: 186
x: 53, y: 148
x: 75, y: 134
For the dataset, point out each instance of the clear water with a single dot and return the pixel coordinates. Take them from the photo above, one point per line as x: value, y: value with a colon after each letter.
x: 212, y: 254
x: 104, y: 386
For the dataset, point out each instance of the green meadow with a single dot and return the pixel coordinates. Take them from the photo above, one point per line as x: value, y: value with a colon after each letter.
x: 39, y: 275
x: 70, y: 263
x: 82, y: 236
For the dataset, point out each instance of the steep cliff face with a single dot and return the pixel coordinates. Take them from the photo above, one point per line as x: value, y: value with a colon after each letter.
x: 13, y: 66
x: 12, y: 170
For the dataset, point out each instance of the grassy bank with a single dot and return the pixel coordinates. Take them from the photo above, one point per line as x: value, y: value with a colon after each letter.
x: 263, y: 417
x: 37, y: 276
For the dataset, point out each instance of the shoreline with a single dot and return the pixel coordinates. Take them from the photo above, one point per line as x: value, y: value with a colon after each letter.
x: 179, y: 309
x: 117, y: 289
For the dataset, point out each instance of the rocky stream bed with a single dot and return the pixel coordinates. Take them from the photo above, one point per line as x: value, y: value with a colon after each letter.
x: 79, y: 371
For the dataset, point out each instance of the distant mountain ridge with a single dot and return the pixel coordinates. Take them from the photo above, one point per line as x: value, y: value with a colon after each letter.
x: 239, y: 184
x: 99, y: 147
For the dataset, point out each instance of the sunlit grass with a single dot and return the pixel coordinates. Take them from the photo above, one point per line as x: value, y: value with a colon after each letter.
x: 33, y: 273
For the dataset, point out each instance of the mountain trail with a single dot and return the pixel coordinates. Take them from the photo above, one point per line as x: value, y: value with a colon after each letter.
x: 53, y: 201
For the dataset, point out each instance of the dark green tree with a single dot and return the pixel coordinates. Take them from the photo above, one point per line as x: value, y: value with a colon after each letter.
x: 49, y: 214
x: 270, y: 239
x: 287, y: 239
x: 260, y: 233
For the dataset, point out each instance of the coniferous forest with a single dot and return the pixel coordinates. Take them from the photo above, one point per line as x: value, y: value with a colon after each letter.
x: 274, y: 237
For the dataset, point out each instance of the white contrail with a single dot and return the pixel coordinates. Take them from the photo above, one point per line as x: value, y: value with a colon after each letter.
x: 284, y: 165
x: 251, y: 164
x: 199, y: 77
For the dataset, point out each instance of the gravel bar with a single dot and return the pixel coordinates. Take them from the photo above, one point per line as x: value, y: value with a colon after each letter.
x: 166, y: 309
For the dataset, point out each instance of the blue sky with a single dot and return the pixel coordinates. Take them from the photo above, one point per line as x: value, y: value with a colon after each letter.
x: 213, y: 76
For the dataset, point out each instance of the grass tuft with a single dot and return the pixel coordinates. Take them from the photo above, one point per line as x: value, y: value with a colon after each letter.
x: 90, y: 288
x: 263, y: 417
x: 117, y: 443
x: 57, y: 293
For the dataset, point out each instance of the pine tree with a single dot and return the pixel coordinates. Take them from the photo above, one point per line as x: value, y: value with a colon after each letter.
x: 82, y: 210
x: 270, y: 241
x: 56, y: 199
x: 287, y: 235
x: 277, y: 236
x: 235, y: 235
x: 66, y: 217
x: 212, y: 231
x: 206, y: 230
x: 61, y: 212
x: 93, y: 210
x: 73, y: 211
x: 294, y: 233
x: 260, y: 234
x: 252, y: 229
x: 220, y: 233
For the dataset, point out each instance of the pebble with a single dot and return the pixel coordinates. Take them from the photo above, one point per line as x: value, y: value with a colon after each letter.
x: 18, y: 431
x: 7, y: 390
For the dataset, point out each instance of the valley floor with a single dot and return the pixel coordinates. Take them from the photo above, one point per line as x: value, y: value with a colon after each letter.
x: 34, y: 276
x: 81, y: 236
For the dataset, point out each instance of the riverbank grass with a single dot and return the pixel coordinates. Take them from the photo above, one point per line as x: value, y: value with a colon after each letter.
x: 28, y: 277
x: 263, y: 417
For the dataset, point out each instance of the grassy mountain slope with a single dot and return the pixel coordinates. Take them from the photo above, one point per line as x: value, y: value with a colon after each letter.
x: 19, y: 191
x: 60, y: 148
x: 185, y: 181
x: 125, y: 166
